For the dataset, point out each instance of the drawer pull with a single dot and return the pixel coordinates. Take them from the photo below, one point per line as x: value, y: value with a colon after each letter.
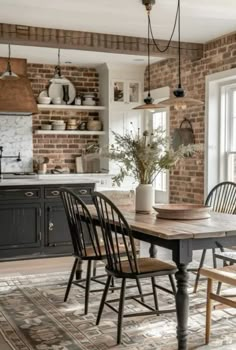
x: 29, y: 194
x: 55, y: 193
x: 83, y: 191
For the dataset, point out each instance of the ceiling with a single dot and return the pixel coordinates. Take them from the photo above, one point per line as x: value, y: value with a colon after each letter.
x: 201, y: 21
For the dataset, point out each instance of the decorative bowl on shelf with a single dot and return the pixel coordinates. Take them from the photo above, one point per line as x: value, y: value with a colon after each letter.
x: 182, y: 211
x: 46, y: 126
x: 44, y: 100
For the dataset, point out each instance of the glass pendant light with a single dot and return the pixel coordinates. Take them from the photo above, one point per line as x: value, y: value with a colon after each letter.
x: 148, y: 101
x: 180, y: 101
x: 8, y: 74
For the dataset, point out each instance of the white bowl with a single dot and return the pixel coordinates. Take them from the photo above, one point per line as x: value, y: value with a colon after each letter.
x: 58, y: 122
x: 46, y: 126
x: 45, y: 100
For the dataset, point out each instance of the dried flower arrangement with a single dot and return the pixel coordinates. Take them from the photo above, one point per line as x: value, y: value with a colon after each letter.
x: 143, y: 156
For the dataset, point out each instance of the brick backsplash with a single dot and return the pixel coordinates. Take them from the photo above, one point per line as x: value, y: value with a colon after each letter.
x: 62, y: 149
x: 187, y: 179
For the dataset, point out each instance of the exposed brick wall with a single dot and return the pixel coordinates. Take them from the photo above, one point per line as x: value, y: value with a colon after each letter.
x: 62, y: 149
x: 187, y: 179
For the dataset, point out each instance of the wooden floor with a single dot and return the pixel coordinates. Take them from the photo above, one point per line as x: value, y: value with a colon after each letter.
x: 34, y: 266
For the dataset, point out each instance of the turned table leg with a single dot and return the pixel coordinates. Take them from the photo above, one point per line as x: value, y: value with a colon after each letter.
x: 182, y: 306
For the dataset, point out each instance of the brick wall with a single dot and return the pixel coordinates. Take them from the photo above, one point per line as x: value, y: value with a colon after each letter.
x: 62, y: 149
x: 187, y: 179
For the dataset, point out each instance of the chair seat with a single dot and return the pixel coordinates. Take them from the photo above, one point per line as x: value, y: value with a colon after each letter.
x: 226, y: 274
x: 149, y: 265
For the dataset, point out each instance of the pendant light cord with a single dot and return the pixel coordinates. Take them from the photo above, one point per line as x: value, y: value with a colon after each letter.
x: 9, y: 59
x: 172, y: 33
x: 179, y: 49
x: 149, y: 78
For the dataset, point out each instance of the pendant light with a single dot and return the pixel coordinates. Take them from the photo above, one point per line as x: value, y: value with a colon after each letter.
x: 8, y: 74
x: 148, y: 101
x: 58, y: 78
x: 180, y: 101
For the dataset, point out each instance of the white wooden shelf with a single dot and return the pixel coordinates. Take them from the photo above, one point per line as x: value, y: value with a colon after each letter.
x: 70, y: 107
x: 69, y: 132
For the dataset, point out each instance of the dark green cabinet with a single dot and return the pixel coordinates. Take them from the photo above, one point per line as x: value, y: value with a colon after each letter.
x: 33, y: 221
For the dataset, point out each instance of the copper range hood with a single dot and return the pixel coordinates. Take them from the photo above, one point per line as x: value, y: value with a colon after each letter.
x: 16, y: 96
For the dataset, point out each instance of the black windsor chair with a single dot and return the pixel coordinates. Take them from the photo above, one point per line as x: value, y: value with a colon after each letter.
x: 116, y: 233
x: 222, y: 199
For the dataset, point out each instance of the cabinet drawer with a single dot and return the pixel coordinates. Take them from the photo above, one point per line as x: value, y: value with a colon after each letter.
x: 19, y: 193
x: 54, y: 192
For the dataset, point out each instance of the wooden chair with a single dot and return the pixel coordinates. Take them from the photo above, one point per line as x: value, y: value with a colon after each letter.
x: 85, y: 242
x: 116, y: 233
x: 226, y: 274
x: 222, y: 198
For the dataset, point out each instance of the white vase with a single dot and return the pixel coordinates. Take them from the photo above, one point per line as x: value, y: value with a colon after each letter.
x: 144, y: 198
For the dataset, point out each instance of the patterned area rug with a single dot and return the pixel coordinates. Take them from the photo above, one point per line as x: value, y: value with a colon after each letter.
x: 33, y: 316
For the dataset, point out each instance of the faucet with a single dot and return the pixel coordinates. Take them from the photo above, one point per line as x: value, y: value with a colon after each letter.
x: 18, y: 159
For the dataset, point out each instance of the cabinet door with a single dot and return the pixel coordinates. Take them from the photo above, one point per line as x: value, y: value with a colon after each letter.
x: 56, y: 226
x: 20, y: 225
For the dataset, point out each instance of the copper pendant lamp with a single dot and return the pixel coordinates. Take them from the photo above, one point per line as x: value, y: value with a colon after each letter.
x: 180, y: 102
x: 148, y: 101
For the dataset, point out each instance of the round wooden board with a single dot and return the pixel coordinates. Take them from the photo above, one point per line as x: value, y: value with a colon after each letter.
x: 182, y: 211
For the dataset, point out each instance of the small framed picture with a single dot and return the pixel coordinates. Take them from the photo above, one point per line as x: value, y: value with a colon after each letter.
x: 134, y: 92
x: 118, y: 91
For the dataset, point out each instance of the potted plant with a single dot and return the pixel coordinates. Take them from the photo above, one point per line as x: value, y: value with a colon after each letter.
x: 143, y: 156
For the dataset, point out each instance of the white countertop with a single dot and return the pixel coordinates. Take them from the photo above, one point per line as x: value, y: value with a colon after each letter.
x: 55, y: 179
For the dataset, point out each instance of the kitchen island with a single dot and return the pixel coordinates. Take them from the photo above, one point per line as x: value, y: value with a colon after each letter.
x: 32, y: 219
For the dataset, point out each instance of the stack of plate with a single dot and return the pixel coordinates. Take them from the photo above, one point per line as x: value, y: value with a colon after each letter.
x: 72, y: 124
x: 58, y: 125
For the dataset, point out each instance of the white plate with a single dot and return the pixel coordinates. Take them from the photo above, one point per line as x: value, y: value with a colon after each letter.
x: 56, y: 90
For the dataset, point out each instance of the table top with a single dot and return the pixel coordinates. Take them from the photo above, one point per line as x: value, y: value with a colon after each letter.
x: 218, y: 225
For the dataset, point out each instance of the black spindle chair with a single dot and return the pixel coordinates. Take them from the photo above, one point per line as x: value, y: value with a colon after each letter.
x: 222, y: 199
x: 85, y: 242
x: 116, y: 234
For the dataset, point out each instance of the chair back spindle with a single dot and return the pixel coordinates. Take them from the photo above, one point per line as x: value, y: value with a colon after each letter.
x: 222, y: 198
x: 117, y: 236
x: 82, y: 229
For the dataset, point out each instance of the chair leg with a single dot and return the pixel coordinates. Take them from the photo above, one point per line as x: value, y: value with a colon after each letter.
x: 198, y: 271
x: 214, y: 258
x: 87, y: 287
x: 154, y: 293
x: 70, y: 280
x: 219, y: 285
x: 172, y: 282
x: 94, y: 268
x: 140, y: 289
x: 121, y: 311
x: 208, y: 311
x: 104, y: 296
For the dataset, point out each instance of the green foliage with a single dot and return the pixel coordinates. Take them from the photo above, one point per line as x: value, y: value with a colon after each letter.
x: 144, y: 156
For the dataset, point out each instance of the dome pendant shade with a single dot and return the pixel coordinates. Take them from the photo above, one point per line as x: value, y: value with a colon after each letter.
x: 180, y: 101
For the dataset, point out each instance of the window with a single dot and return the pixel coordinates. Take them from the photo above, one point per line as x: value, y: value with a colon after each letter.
x: 159, y: 121
x: 153, y: 120
x: 231, y: 133
x: 220, y: 128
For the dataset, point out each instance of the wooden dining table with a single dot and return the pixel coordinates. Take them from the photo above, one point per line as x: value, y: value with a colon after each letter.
x: 182, y: 237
